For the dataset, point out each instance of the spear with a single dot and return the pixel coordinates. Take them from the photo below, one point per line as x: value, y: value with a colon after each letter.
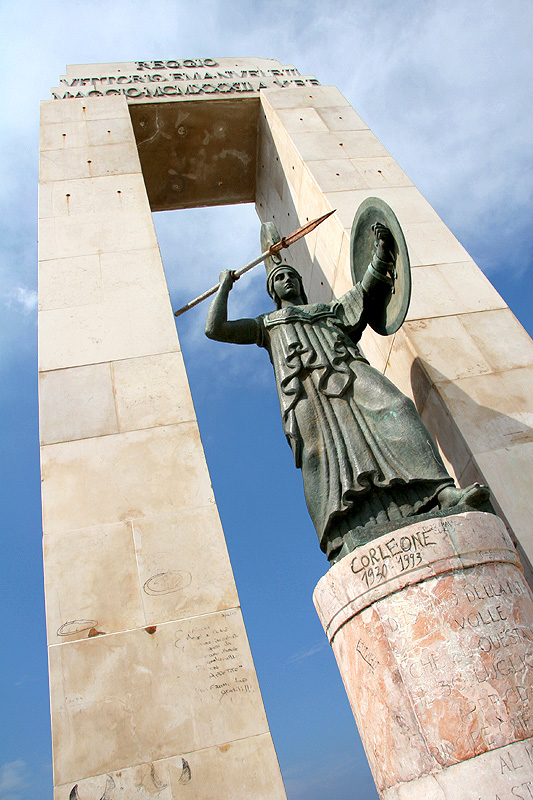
x: 273, y: 250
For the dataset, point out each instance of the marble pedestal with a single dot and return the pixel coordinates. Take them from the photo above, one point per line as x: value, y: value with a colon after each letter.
x: 432, y: 629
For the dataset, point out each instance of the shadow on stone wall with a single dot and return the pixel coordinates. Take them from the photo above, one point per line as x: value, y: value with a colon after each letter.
x: 484, y: 425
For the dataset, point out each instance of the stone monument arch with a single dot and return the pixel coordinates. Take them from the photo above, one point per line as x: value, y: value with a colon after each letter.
x: 152, y: 683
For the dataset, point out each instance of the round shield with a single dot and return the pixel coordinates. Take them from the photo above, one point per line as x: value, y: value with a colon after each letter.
x: 388, y: 318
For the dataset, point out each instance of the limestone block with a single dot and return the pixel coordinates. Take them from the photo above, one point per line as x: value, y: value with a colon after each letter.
x: 406, y: 202
x: 123, y: 477
x: 270, y: 176
x: 151, y: 391
x: 503, y: 341
x: 83, y: 280
x: 116, y: 193
x: 109, y: 131
x: 63, y: 198
x: 200, y: 691
x: 128, y: 269
x: 320, y: 97
x: 453, y: 447
x: 52, y: 111
x: 279, y: 165
x: 376, y: 348
x: 288, y: 166
x: 90, y: 161
x: 335, y: 175
x: 105, y: 107
x: 81, y: 133
x: 76, y: 403
x: 343, y: 276
x: 330, y: 234
x: 319, y: 288
x: 64, y: 164
x: 361, y: 144
x: 508, y: 473
x: 323, y: 272
x: 474, y: 292
x: 433, y: 243
x: 319, y: 145
x: 446, y: 348
x: 293, y: 176
x: 89, y: 234
x: 301, y: 120
x: 91, y: 581
x: 406, y: 371
x: 236, y: 770
x: 312, y: 202
x: 242, y: 769
x: 184, y: 568
x: 84, y: 109
x: 124, y: 325
x: 69, y: 282
x: 492, y: 411
x: 380, y: 172
x: 63, y: 135
x: 341, y: 118
x: 449, y: 289
x: 135, y: 783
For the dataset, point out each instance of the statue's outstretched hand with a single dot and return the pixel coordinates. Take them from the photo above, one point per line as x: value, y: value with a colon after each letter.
x: 227, y: 279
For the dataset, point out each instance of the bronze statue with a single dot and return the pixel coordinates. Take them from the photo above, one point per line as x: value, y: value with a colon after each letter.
x: 368, y: 463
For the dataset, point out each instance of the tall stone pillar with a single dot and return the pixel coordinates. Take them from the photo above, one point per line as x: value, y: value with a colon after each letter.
x: 153, y: 688
x: 432, y: 629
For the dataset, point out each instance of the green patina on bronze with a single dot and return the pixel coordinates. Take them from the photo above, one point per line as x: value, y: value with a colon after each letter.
x: 368, y: 463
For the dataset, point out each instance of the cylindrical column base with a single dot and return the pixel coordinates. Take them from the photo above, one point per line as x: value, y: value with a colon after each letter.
x: 432, y: 629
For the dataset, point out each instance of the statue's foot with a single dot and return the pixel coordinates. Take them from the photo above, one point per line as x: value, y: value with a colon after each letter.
x: 471, y: 497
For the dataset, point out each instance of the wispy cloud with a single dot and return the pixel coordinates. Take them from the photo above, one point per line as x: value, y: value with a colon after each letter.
x: 13, y: 780
x: 22, y: 298
x: 308, y: 652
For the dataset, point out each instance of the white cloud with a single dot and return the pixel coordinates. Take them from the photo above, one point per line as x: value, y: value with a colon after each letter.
x: 12, y: 780
x: 21, y: 297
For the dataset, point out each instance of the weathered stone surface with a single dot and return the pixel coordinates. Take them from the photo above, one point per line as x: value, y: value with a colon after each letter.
x: 76, y: 403
x: 134, y: 697
x: 184, y: 568
x: 123, y: 477
x: 501, y: 775
x: 237, y: 769
x: 432, y: 628
x: 92, y: 583
x: 151, y: 391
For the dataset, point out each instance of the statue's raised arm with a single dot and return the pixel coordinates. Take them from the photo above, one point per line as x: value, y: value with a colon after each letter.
x: 218, y: 327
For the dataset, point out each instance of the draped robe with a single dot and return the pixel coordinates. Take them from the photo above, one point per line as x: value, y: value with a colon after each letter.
x: 365, y: 455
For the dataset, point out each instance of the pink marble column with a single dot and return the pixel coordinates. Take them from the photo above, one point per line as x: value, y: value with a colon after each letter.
x: 432, y: 629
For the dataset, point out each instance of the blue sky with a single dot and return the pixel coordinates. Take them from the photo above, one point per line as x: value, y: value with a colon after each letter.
x: 446, y: 87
